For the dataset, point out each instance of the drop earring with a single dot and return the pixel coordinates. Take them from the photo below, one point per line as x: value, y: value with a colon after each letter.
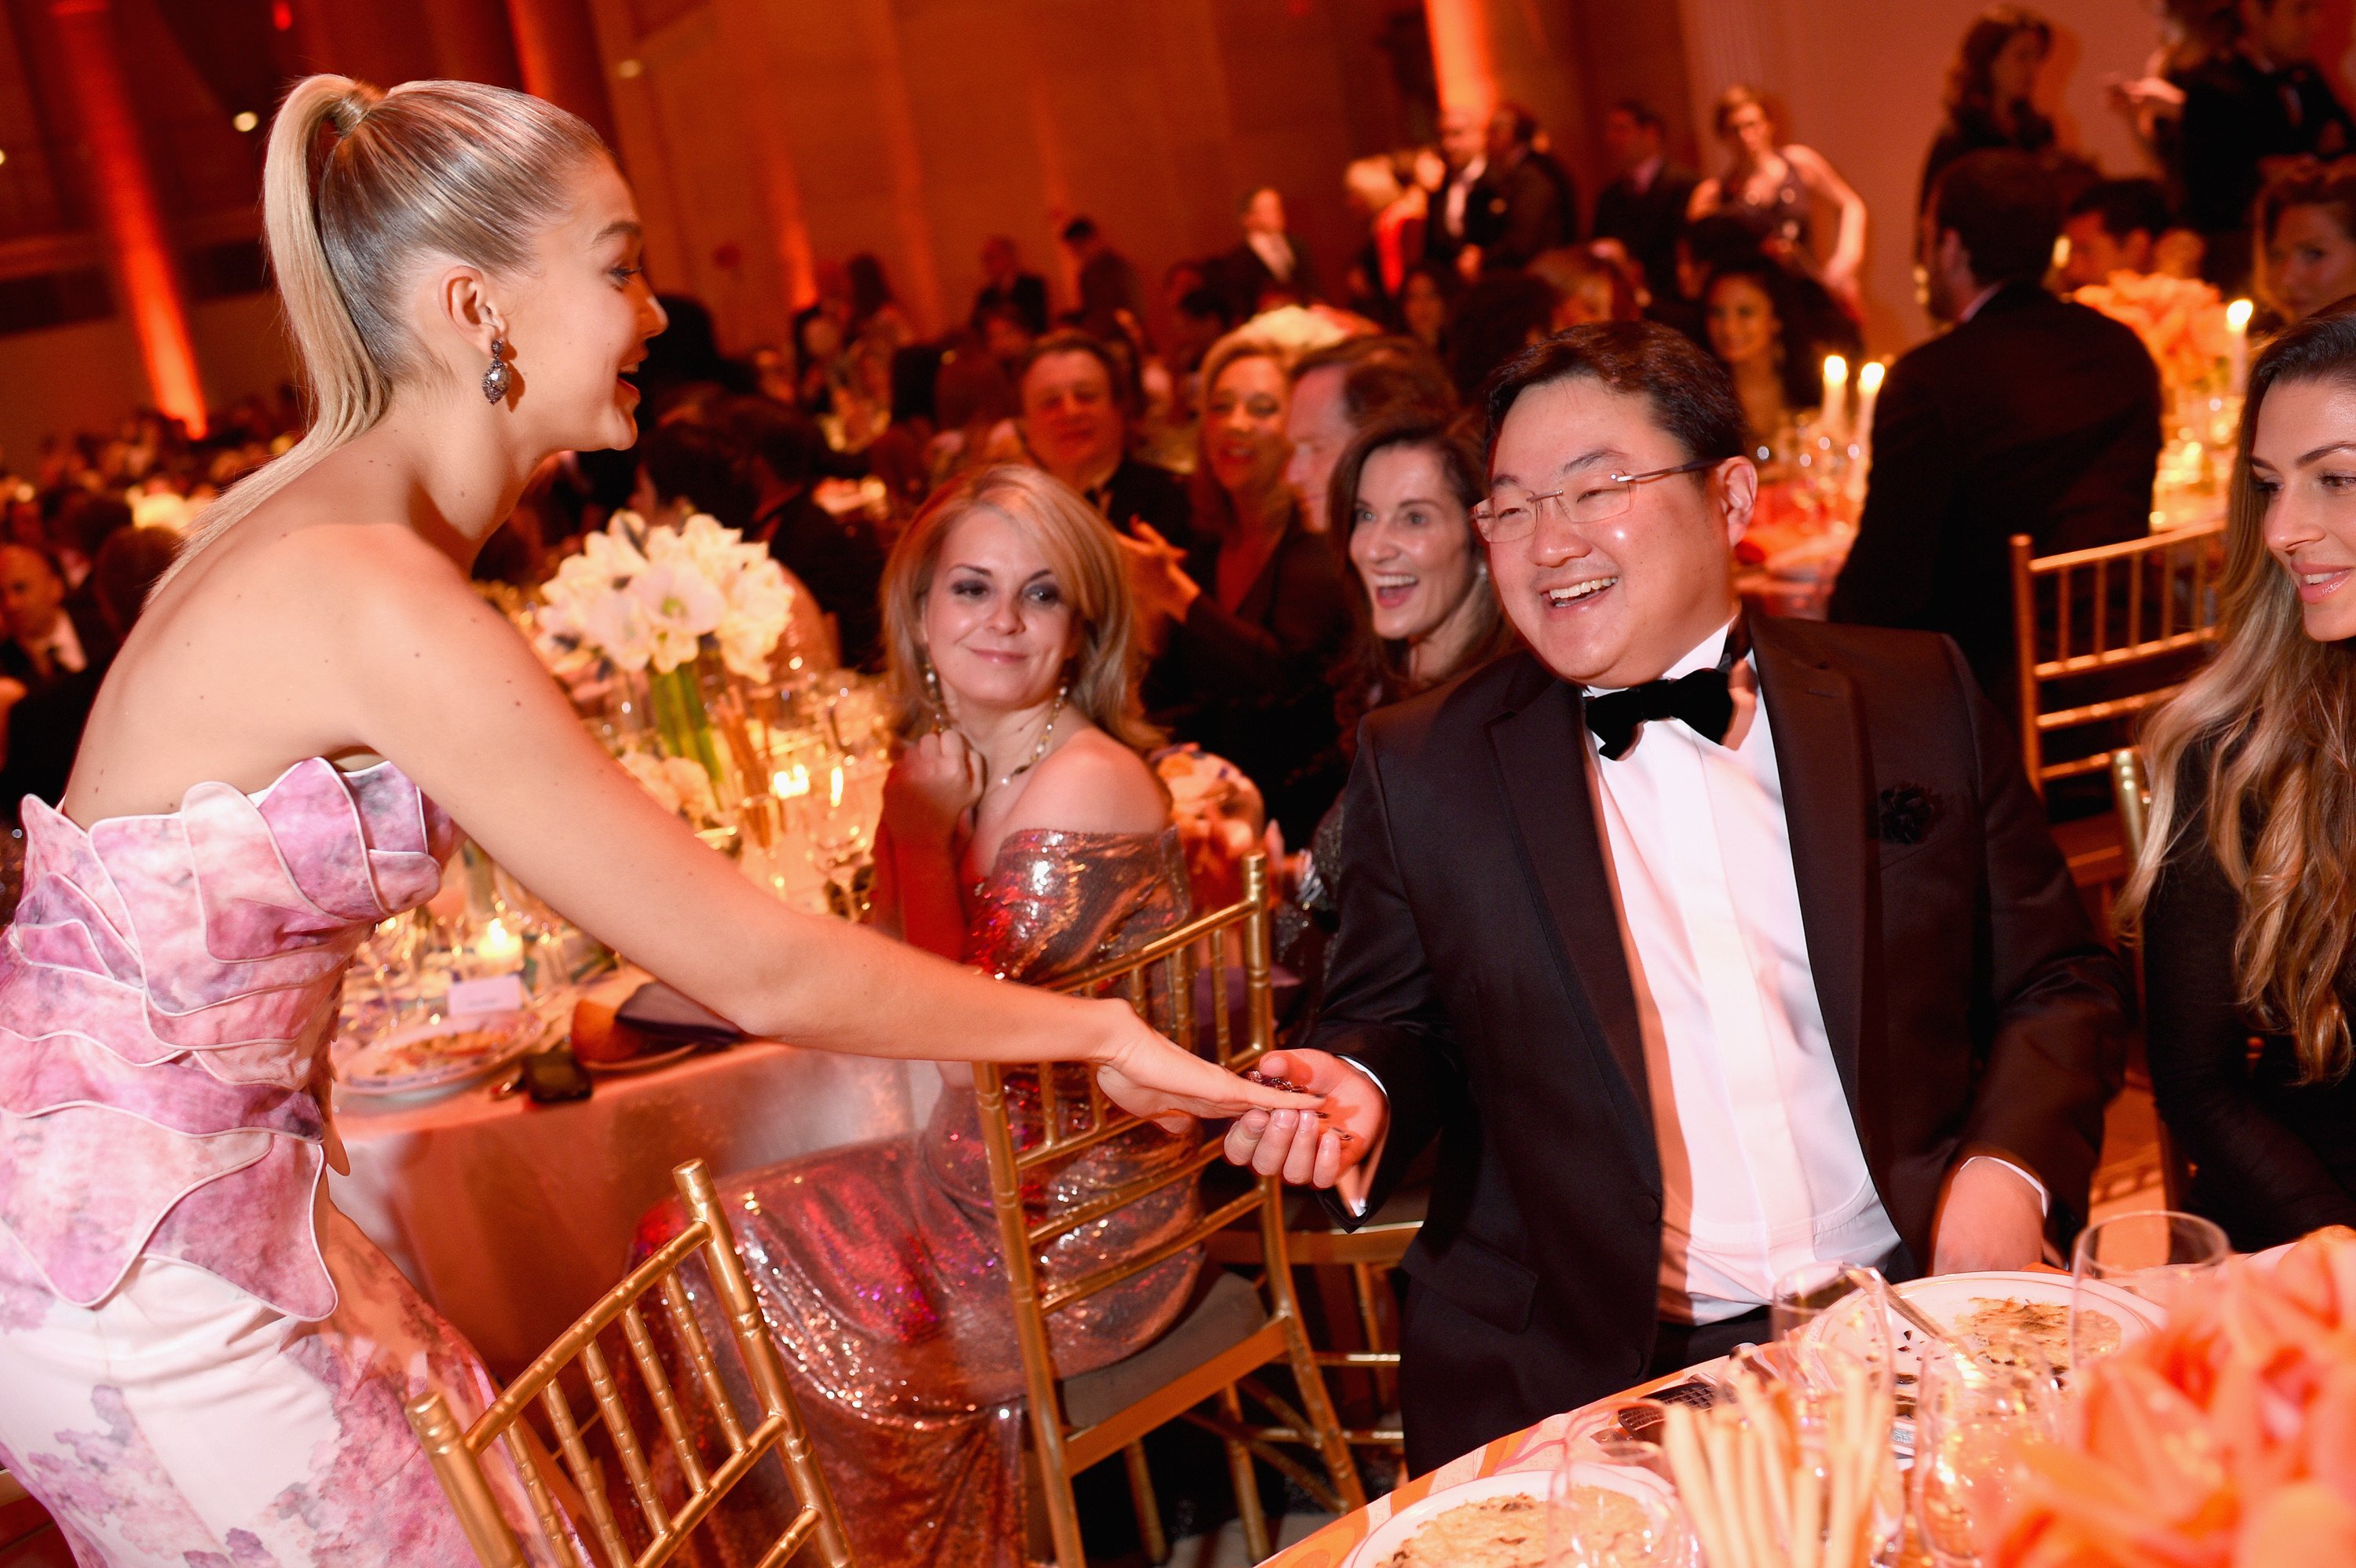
x: 496, y: 379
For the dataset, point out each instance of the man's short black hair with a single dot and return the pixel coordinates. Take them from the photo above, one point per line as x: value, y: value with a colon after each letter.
x: 1381, y: 374
x: 782, y: 438
x: 2126, y: 206
x: 1076, y: 340
x: 1079, y: 230
x: 1691, y: 395
x: 703, y: 465
x: 2004, y: 207
x: 1641, y: 112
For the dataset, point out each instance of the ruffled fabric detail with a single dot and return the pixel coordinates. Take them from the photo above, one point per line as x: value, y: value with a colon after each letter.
x: 164, y: 993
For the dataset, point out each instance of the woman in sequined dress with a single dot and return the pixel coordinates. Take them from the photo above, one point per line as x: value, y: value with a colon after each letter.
x: 1024, y: 834
x: 201, y: 1362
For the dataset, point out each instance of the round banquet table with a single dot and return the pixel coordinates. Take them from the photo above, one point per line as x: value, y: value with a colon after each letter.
x: 513, y: 1218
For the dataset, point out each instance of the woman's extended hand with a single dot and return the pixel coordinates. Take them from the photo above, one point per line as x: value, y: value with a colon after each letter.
x: 1146, y: 1075
x: 932, y: 785
x: 1333, y: 1150
x: 1157, y: 577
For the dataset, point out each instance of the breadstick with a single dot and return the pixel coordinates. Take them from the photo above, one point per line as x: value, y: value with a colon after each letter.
x: 1726, y: 1470
x: 1807, y: 1516
x: 1840, y: 1543
x: 1691, y: 1468
x: 1766, y: 1418
x: 1759, y: 1481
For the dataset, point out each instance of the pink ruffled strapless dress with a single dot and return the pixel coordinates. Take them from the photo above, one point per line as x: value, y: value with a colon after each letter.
x: 202, y: 1363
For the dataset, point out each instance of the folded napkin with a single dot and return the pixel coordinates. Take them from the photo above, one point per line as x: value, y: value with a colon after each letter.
x: 654, y: 1008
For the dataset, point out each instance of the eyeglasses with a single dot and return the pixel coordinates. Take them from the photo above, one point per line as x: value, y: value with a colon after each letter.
x: 1502, y: 518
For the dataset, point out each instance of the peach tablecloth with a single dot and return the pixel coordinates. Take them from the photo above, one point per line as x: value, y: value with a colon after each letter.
x: 512, y: 1217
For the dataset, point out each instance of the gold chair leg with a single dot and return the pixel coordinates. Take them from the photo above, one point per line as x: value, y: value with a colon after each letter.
x: 1149, y: 1533
x: 1318, y: 1407
x: 1366, y: 1279
x: 1247, y: 1480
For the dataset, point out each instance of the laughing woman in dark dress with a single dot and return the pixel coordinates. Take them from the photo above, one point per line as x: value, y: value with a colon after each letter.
x: 2246, y: 889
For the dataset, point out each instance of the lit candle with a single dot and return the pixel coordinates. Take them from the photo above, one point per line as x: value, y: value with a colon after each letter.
x: 498, y: 944
x: 2237, y: 317
x: 1835, y: 402
x: 834, y: 788
x: 1868, y: 391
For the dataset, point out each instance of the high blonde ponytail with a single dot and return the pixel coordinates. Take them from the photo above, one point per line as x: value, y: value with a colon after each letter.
x: 359, y: 187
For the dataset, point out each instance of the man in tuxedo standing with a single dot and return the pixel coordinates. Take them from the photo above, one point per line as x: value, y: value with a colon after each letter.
x: 1269, y: 266
x: 1708, y: 945
x: 1645, y: 205
x: 2034, y: 416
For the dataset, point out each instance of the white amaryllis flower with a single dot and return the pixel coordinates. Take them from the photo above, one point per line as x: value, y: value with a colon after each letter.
x: 680, y: 605
x: 650, y: 596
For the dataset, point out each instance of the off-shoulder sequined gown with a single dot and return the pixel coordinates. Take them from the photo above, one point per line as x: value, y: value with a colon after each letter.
x: 878, y: 1265
x: 202, y: 1363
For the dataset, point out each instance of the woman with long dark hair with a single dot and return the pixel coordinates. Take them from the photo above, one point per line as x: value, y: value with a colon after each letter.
x: 2245, y: 893
x: 1990, y: 91
x: 1770, y: 186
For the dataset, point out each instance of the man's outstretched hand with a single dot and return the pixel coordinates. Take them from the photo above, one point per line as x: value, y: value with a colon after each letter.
x: 1338, y: 1151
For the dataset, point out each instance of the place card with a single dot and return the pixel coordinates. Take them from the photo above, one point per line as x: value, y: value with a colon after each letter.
x: 493, y: 994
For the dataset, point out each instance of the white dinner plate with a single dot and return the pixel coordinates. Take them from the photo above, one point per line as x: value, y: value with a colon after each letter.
x: 1394, y: 1533
x: 435, y: 1057
x: 1944, y: 1297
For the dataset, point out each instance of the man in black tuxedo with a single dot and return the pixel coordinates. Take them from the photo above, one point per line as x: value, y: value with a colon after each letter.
x: 838, y: 558
x: 1708, y: 945
x: 1526, y: 204
x: 50, y: 635
x: 1075, y: 426
x: 1269, y: 266
x: 1645, y: 205
x: 2034, y: 416
x: 1005, y: 283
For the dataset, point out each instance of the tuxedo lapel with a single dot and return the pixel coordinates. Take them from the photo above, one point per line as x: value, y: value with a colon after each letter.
x: 1541, y: 752
x: 1820, y: 757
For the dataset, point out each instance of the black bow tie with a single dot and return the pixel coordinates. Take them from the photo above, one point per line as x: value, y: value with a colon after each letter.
x: 1702, y: 699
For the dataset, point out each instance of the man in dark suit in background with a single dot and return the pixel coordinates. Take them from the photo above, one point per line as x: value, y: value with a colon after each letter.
x: 1708, y: 945
x: 49, y: 637
x: 1645, y: 205
x: 839, y: 560
x: 2259, y: 103
x: 1527, y: 203
x: 1004, y: 283
x: 1075, y: 426
x: 1269, y: 266
x: 2034, y: 416
x: 1109, y: 286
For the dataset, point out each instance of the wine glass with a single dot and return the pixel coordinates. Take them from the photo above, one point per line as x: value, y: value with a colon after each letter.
x: 1608, y: 1505
x: 1830, y: 1314
x: 2156, y: 1253
x: 1968, y: 1412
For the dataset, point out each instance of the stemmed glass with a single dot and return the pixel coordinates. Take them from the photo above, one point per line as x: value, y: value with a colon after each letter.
x: 1609, y: 1503
x: 2156, y: 1253
x: 1968, y: 1412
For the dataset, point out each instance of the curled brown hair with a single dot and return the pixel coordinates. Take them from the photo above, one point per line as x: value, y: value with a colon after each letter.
x: 1088, y: 567
x: 2268, y: 730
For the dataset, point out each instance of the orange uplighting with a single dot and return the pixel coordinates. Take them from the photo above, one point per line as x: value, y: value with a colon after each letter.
x: 124, y: 190
x: 1460, y: 54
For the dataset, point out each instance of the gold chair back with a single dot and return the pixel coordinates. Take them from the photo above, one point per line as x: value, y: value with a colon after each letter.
x: 2119, y: 619
x: 2133, y: 793
x: 1159, y: 979
x: 774, y: 1426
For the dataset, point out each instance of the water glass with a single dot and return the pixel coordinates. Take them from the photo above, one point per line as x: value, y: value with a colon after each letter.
x: 1826, y: 1316
x: 1969, y: 1413
x: 1608, y: 1507
x: 2156, y: 1253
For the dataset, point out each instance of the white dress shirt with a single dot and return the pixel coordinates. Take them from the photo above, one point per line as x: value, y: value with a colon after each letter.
x: 1760, y: 1164
x: 1275, y: 253
x: 1459, y: 189
x: 60, y: 652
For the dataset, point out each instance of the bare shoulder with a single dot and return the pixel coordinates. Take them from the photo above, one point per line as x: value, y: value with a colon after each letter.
x: 1093, y: 784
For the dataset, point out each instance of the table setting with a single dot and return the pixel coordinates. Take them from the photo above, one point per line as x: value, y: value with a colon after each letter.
x: 2163, y: 1402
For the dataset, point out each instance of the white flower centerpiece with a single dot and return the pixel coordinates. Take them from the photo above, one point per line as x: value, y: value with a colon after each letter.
x: 658, y: 601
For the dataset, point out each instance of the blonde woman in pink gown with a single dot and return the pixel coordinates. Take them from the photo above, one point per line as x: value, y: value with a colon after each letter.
x: 201, y: 1363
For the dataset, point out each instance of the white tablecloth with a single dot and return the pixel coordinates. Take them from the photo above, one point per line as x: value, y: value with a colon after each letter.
x: 512, y: 1217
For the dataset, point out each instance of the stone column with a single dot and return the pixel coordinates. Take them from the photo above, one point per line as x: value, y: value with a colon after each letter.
x: 123, y: 188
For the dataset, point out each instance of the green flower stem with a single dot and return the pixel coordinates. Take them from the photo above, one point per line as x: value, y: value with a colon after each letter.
x: 678, y: 699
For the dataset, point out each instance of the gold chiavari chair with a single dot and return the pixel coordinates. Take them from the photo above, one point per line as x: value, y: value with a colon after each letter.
x: 2132, y: 790
x: 1235, y: 1328
x: 2119, y: 626
x: 776, y: 1426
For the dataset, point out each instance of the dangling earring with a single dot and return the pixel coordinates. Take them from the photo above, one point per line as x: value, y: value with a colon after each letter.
x: 933, y: 693
x: 495, y: 379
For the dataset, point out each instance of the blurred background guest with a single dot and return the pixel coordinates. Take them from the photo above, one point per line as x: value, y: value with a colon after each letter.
x: 1009, y: 632
x: 2307, y: 225
x: 1337, y: 391
x: 838, y: 558
x: 1004, y: 334
x: 1588, y: 287
x: 1427, y: 305
x: 1645, y: 205
x: 1772, y: 188
x: 1989, y: 91
x: 1756, y: 331
x: 1109, y: 286
x: 1524, y: 202
x: 1704, y: 247
x: 1074, y: 427
x: 44, y: 725
x: 1464, y: 152
x: 1394, y: 212
x: 2248, y: 108
x: 1004, y: 283
x: 49, y: 639
x: 2113, y: 225
x: 875, y: 311
x: 1269, y: 266
x: 2034, y: 415
x: 1242, y: 671
x: 686, y: 467
x: 1497, y: 318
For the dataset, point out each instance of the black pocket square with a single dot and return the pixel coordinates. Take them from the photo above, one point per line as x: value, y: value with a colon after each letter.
x: 1907, y: 813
